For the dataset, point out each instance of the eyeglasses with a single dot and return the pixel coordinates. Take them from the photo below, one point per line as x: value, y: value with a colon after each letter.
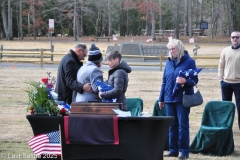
x: 171, y: 49
x: 235, y: 37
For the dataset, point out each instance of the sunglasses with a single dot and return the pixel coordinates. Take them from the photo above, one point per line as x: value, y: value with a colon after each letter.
x: 235, y: 37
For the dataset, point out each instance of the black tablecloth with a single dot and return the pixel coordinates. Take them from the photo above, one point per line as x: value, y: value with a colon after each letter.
x: 141, y: 138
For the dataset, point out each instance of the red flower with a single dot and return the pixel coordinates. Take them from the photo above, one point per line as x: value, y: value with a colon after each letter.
x: 63, y: 111
x: 32, y: 112
x: 45, y: 80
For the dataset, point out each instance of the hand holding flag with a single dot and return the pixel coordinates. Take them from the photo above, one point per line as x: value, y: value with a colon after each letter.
x: 187, y: 75
x: 102, y: 87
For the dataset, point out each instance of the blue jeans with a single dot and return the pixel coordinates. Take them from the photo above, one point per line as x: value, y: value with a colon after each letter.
x: 227, y: 92
x: 179, y: 137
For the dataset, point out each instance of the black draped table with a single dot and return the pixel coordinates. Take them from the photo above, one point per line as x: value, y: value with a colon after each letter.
x: 140, y: 138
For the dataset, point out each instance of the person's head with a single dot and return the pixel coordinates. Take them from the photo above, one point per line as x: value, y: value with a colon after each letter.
x: 235, y: 38
x: 81, y: 51
x: 114, y: 58
x: 176, y: 49
x: 95, y: 57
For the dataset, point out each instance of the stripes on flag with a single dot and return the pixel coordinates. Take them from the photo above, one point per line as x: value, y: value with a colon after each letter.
x: 46, y: 144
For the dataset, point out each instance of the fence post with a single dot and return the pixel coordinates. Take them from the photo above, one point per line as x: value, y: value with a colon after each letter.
x: 161, y: 54
x: 52, y: 50
x: 41, y: 63
x: 1, y: 49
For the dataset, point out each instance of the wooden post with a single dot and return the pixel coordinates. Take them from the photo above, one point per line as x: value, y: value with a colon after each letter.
x: 1, y: 49
x: 52, y: 50
x: 41, y: 63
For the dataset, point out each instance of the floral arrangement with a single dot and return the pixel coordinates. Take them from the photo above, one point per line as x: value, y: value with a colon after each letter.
x: 43, y: 100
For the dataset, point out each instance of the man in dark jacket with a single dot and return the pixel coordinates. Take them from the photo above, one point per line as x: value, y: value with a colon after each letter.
x: 67, y: 85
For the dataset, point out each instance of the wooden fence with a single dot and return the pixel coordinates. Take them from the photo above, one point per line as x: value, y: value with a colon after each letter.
x: 43, y: 56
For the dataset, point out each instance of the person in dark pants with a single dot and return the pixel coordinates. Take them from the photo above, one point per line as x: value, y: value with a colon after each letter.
x: 229, y: 71
x: 179, y: 134
x: 67, y: 85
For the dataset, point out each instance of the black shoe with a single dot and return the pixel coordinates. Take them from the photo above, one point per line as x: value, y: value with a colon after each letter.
x: 182, y: 157
x: 171, y: 155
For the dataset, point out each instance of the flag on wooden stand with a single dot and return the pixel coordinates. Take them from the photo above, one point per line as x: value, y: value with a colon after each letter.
x: 149, y: 40
x: 114, y: 38
x: 170, y: 38
x: 191, y: 40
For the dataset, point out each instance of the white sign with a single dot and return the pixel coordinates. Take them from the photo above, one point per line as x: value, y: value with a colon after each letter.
x: 51, y: 23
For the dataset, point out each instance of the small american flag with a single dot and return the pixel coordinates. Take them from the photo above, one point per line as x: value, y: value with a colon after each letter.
x: 149, y: 40
x: 114, y: 38
x: 191, y: 40
x: 47, y: 143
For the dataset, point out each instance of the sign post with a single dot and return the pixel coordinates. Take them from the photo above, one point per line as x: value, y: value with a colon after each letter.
x: 51, y: 31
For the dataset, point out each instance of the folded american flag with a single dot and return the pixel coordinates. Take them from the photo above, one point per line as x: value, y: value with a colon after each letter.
x: 46, y: 144
x: 102, y: 87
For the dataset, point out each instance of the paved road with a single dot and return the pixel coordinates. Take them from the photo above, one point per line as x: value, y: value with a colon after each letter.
x: 104, y: 67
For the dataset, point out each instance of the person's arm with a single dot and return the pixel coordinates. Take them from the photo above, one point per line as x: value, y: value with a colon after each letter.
x: 118, y: 86
x: 161, y: 94
x: 221, y: 66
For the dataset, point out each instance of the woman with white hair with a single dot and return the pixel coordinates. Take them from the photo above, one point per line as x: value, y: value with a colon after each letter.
x: 179, y: 59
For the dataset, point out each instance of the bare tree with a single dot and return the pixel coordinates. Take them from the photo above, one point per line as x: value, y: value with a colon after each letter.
x: 20, y: 29
x: 74, y: 22
x: 6, y: 11
x: 4, y: 17
x: 177, y: 20
x: 190, y: 19
x: 109, y: 18
x: 185, y: 17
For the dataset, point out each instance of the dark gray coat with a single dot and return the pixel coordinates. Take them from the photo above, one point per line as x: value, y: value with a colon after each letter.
x: 118, y: 78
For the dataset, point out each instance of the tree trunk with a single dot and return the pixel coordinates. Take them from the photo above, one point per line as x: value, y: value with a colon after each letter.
x: 160, y: 15
x: 232, y: 15
x: 190, y: 19
x: 122, y: 24
x: 153, y: 24
x: 33, y: 19
x: 109, y: 19
x: 74, y: 22
x: 81, y: 18
x: 10, y: 34
x: 186, y: 18
x: 20, y: 20
x: 4, y: 17
x: 177, y: 20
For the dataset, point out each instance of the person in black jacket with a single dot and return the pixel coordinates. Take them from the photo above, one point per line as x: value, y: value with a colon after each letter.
x: 67, y: 85
x: 117, y: 77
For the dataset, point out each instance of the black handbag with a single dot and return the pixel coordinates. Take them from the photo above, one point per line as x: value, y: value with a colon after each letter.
x: 193, y: 100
